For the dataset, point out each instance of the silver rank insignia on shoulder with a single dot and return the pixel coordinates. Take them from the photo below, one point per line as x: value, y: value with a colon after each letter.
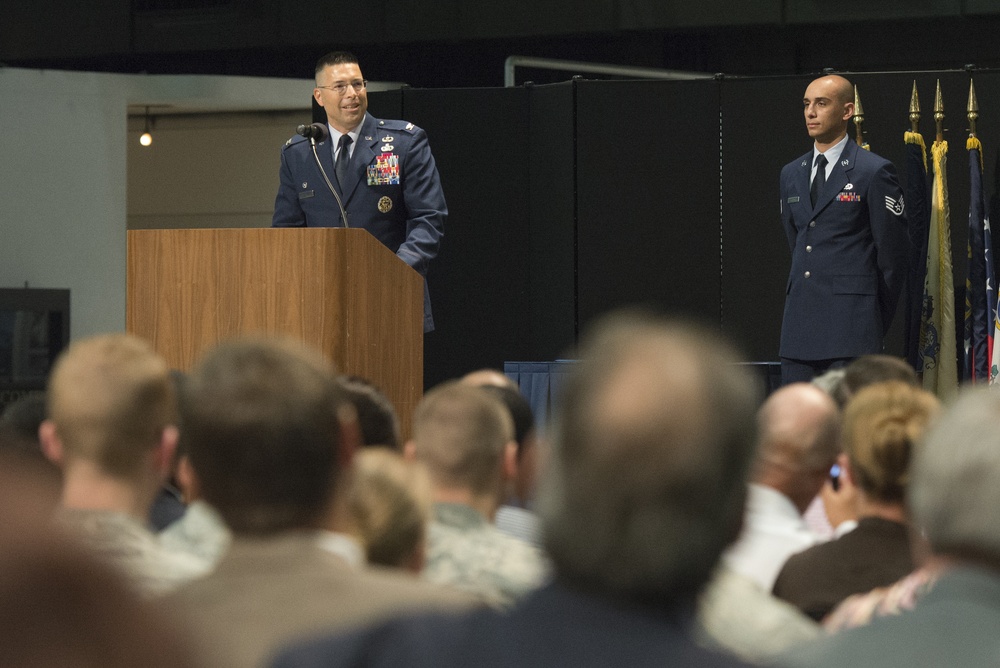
x: 387, y: 147
x: 288, y: 143
x: 385, y: 204
x: 388, y: 138
x: 409, y: 126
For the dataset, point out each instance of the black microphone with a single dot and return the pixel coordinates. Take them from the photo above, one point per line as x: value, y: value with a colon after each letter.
x: 314, y: 131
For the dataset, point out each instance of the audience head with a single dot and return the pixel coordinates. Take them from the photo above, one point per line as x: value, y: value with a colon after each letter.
x: 799, y: 430
x: 60, y: 607
x: 20, y: 420
x: 390, y: 502
x: 24, y: 470
x: 645, y: 483
x: 262, y: 430
x: 489, y: 377
x: 111, y: 406
x: 882, y: 424
x: 870, y: 369
x: 525, y: 435
x: 464, y: 435
x: 376, y: 414
x: 953, y: 494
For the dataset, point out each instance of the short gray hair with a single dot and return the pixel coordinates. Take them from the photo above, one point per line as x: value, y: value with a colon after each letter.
x: 954, y: 494
x: 653, y: 438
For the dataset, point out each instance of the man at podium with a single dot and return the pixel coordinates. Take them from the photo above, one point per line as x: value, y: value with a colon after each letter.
x: 381, y: 171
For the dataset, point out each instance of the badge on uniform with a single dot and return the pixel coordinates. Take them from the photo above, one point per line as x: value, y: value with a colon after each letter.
x: 385, y: 204
x: 793, y: 199
x: 895, y: 206
x: 384, y: 171
x: 848, y: 197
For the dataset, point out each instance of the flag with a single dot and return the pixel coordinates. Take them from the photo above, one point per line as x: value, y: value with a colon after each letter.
x: 937, y: 327
x: 917, y: 224
x: 980, y: 296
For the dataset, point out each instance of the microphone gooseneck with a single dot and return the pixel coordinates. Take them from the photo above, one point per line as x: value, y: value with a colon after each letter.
x: 318, y: 131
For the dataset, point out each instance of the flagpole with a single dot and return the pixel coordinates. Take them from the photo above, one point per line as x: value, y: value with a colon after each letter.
x: 937, y: 333
x: 859, y: 119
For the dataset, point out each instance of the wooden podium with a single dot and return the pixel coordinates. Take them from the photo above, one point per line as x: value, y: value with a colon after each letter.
x: 339, y: 290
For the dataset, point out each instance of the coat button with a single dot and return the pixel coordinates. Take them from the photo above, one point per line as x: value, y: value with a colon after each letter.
x: 812, y: 223
x: 809, y: 249
x: 807, y: 274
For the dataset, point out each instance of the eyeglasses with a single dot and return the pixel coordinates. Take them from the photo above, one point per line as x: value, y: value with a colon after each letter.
x: 341, y: 88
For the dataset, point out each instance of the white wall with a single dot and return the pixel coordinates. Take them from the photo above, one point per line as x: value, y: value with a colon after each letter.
x: 63, y: 174
x: 207, y: 170
x: 62, y: 190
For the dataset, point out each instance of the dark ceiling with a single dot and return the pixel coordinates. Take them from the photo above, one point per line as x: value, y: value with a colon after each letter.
x: 448, y: 43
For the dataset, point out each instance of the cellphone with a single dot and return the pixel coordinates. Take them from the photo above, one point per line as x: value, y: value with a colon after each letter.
x: 835, y: 477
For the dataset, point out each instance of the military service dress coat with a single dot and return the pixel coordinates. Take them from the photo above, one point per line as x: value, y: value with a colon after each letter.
x: 392, y: 189
x: 848, y: 256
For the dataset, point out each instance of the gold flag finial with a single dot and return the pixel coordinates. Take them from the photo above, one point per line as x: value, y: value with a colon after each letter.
x: 859, y: 118
x: 939, y: 113
x: 973, y: 109
x: 914, y: 108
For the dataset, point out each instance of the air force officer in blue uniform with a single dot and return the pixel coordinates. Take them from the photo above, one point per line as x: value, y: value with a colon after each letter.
x: 383, y: 171
x: 847, y: 235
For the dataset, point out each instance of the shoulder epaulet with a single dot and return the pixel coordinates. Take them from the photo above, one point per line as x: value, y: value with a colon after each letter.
x: 292, y: 141
x: 396, y: 126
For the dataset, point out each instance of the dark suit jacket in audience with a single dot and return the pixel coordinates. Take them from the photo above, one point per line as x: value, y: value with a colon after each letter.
x: 875, y: 554
x: 554, y: 626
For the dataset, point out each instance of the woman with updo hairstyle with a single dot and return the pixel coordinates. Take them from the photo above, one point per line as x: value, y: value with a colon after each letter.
x: 882, y: 424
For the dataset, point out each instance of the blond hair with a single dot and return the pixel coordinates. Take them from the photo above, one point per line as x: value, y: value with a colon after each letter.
x: 882, y: 424
x: 390, y: 502
x: 110, y: 398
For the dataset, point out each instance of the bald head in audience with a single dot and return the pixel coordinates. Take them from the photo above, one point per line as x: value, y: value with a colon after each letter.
x: 799, y: 442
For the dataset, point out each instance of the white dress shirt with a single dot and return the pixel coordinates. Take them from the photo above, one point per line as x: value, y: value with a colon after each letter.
x: 773, y: 530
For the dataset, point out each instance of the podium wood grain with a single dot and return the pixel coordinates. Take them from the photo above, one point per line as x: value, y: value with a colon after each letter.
x: 339, y: 290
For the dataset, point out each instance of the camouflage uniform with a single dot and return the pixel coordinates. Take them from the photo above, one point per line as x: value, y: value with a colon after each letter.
x: 123, y: 542
x: 465, y: 551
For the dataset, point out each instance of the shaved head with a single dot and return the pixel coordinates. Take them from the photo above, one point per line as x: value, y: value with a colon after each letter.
x: 841, y: 89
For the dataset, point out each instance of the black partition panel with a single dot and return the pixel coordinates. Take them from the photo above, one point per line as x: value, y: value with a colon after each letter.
x: 572, y: 199
x: 552, y: 238
x: 479, y: 282
x: 381, y: 104
x: 648, y: 218
x: 762, y: 129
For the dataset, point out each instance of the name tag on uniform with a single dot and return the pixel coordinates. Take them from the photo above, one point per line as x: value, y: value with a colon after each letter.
x: 793, y: 200
x: 306, y: 194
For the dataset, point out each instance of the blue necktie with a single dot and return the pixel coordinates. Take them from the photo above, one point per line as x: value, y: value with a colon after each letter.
x: 818, y: 182
x: 343, y: 159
